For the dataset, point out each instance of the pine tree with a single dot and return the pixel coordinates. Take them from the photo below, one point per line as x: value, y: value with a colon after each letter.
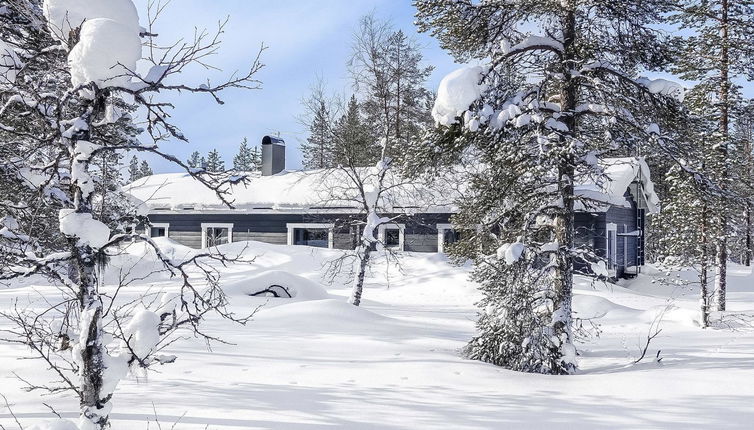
x: 318, y: 148
x: 194, y: 161
x: 256, y: 159
x: 244, y: 160
x: 718, y: 51
x: 532, y: 140
x: 387, y: 72
x: 215, y: 162
x: 353, y: 144
x: 145, y: 170
x: 134, y: 173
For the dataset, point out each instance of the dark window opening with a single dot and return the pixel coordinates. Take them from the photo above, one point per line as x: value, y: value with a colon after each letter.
x: 392, y: 237
x: 452, y: 236
x: 318, y: 237
x: 157, y: 232
x: 217, y: 236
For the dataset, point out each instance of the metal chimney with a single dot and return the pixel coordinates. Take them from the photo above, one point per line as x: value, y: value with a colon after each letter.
x: 273, y: 155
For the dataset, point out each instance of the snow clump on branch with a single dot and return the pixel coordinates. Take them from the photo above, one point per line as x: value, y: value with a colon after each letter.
x: 457, y: 91
x: 106, y: 54
x: 64, y: 15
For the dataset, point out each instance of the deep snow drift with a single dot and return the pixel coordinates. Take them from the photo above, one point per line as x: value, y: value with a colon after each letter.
x: 315, y: 362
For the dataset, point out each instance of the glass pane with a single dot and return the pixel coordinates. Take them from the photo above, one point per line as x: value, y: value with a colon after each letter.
x: 217, y: 236
x: 392, y: 237
x: 452, y: 236
x: 318, y: 237
x: 157, y: 232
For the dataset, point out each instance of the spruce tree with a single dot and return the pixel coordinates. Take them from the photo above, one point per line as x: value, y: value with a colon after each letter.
x: 194, y: 161
x: 134, y: 172
x: 718, y: 50
x: 242, y: 162
x: 145, y: 170
x: 214, y: 162
x: 256, y: 159
x: 318, y: 148
x: 352, y: 141
x: 531, y: 141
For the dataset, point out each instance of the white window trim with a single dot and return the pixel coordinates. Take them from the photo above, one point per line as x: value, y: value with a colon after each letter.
x: 313, y: 225
x: 610, y: 253
x: 441, y: 236
x: 401, y: 234
x: 441, y: 227
x: 206, y: 225
x: 165, y: 225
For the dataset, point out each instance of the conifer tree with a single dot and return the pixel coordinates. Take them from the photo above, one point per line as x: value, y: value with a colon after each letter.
x: 256, y: 159
x: 242, y: 161
x: 530, y: 141
x: 352, y: 141
x: 718, y: 50
x: 318, y: 148
x: 134, y: 172
x: 214, y: 162
x: 194, y: 161
x: 145, y: 170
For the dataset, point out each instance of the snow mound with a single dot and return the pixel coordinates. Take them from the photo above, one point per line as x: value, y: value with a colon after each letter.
x: 89, y: 231
x: 318, y: 315
x: 106, y: 54
x: 274, y: 283
x: 143, y: 332
x: 672, y: 313
x: 588, y: 306
x: 58, y: 424
x: 64, y: 15
x: 456, y: 92
x: 139, y: 260
x: 9, y: 64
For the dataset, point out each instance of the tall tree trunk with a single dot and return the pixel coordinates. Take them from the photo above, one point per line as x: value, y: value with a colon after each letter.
x: 704, y: 263
x: 563, y: 279
x: 747, y: 214
x: 722, y: 244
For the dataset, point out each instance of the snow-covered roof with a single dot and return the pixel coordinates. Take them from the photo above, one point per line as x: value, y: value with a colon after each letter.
x: 609, y: 188
x: 287, y: 191
x: 304, y: 190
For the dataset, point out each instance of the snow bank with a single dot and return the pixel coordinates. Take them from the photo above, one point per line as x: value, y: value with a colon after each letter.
x: 58, y: 424
x: 298, y: 287
x: 106, y: 52
x: 457, y: 91
x: 81, y: 225
x: 9, y: 64
x: 318, y: 315
x: 64, y: 15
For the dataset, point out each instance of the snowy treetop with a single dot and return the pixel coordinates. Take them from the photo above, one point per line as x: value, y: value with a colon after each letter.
x: 610, y: 187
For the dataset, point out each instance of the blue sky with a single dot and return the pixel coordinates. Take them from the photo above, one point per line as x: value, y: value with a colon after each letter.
x: 304, y: 38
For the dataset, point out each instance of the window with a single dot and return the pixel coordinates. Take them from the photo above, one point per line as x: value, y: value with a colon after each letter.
x: 612, y: 245
x: 310, y: 234
x: 392, y: 236
x: 158, y: 229
x: 216, y: 234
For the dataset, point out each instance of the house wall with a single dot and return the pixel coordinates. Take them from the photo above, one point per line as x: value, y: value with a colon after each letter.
x: 420, y: 233
x: 594, y: 227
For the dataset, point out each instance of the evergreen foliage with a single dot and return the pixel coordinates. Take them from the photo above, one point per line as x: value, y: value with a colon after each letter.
x: 214, y: 162
x: 526, y: 142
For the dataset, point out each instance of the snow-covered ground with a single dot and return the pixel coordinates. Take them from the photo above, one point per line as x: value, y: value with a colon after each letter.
x: 315, y: 362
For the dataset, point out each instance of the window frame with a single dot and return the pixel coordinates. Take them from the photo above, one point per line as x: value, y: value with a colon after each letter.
x: 611, y: 249
x: 165, y: 225
x: 401, y: 235
x: 292, y: 226
x: 442, y: 227
x: 206, y: 225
